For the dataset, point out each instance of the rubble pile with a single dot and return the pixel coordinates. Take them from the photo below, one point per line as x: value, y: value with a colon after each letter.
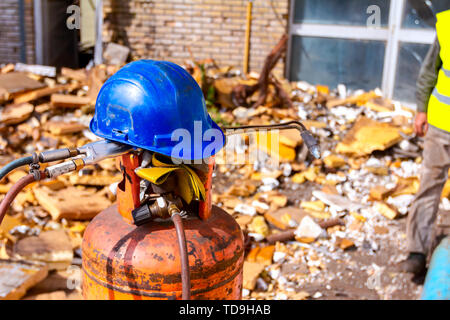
x: 43, y: 110
x: 307, y: 219
x: 308, y: 223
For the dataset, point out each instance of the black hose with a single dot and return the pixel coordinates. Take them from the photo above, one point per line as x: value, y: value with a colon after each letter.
x: 14, y: 165
x: 185, y: 272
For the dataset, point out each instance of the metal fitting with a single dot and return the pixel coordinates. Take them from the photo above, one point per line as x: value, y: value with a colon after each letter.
x: 36, y: 174
x: 173, y: 209
x: 160, y: 208
x: 79, y: 163
x: 97, y: 151
x: 89, y: 154
x: 35, y: 158
x: 60, y: 169
x: 56, y: 155
x: 35, y: 167
x: 146, y: 212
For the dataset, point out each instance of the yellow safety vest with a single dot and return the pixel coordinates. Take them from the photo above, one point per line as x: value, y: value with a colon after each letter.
x: 439, y: 104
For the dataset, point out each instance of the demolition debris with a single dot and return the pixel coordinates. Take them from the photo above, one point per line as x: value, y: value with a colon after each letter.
x: 315, y: 229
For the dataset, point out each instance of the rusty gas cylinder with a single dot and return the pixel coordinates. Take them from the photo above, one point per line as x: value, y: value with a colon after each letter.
x: 124, y: 261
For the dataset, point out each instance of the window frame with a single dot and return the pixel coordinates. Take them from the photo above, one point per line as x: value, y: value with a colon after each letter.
x: 393, y: 35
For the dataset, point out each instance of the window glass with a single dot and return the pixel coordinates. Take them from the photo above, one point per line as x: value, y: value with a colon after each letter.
x: 357, y: 64
x: 348, y: 12
x: 410, y: 59
x: 420, y: 14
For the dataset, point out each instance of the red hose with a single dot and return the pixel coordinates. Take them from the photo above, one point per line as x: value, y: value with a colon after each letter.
x: 185, y: 273
x: 14, y: 191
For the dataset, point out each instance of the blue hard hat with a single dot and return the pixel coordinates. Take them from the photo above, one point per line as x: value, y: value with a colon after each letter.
x: 154, y: 105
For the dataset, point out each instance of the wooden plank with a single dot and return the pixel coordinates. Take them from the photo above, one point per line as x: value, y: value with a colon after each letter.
x: 17, y: 82
x: 95, y: 179
x: 97, y: 76
x: 78, y: 75
x: 71, y: 203
x: 61, y: 127
x: 368, y: 135
x: 68, y: 100
x: 16, y: 277
x: 39, y: 93
x: 56, y: 295
x: 4, y: 95
x: 51, y: 247
x: 14, y: 114
x: 8, y: 68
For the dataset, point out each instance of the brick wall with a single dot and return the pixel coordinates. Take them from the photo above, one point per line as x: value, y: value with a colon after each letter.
x: 171, y: 29
x: 10, y: 31
x: 29, y: 32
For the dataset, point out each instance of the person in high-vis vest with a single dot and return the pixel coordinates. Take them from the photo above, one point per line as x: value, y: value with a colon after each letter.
x: 433, y: 122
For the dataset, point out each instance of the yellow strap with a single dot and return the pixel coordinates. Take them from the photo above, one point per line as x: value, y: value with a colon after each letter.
x: 196, y: 182
x: 160, y: 162
x: 185, y: 189
x: 156, y: 175
x: 189, y: 183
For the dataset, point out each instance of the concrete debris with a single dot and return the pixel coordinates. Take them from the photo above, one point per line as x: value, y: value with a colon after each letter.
x: 307, y: 230
x: 285, y: 218
x: 245, y: 209
x: 386, y: 210
x: 259, y: 227
x: 46, y: 71
x: 252, y: 270
x: 366, y: 181
x: 336, y: 202
x: 115, y: 54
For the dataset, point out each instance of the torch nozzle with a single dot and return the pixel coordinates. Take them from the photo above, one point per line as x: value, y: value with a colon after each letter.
x: 311, y: 143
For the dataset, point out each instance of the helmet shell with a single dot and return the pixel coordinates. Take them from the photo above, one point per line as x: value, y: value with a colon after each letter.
x: 151, y: 105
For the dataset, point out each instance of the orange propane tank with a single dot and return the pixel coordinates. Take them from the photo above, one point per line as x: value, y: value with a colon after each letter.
x: 124, y: 261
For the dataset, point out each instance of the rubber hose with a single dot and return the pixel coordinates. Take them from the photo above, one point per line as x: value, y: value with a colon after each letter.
x: 185, y: 272
x: 14, y: 165
x: 14, y: 191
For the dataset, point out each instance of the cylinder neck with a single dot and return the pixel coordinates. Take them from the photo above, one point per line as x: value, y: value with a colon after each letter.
x: 128, y: 190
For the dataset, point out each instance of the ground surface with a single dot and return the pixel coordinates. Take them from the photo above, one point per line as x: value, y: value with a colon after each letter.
x: 357, y: 274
